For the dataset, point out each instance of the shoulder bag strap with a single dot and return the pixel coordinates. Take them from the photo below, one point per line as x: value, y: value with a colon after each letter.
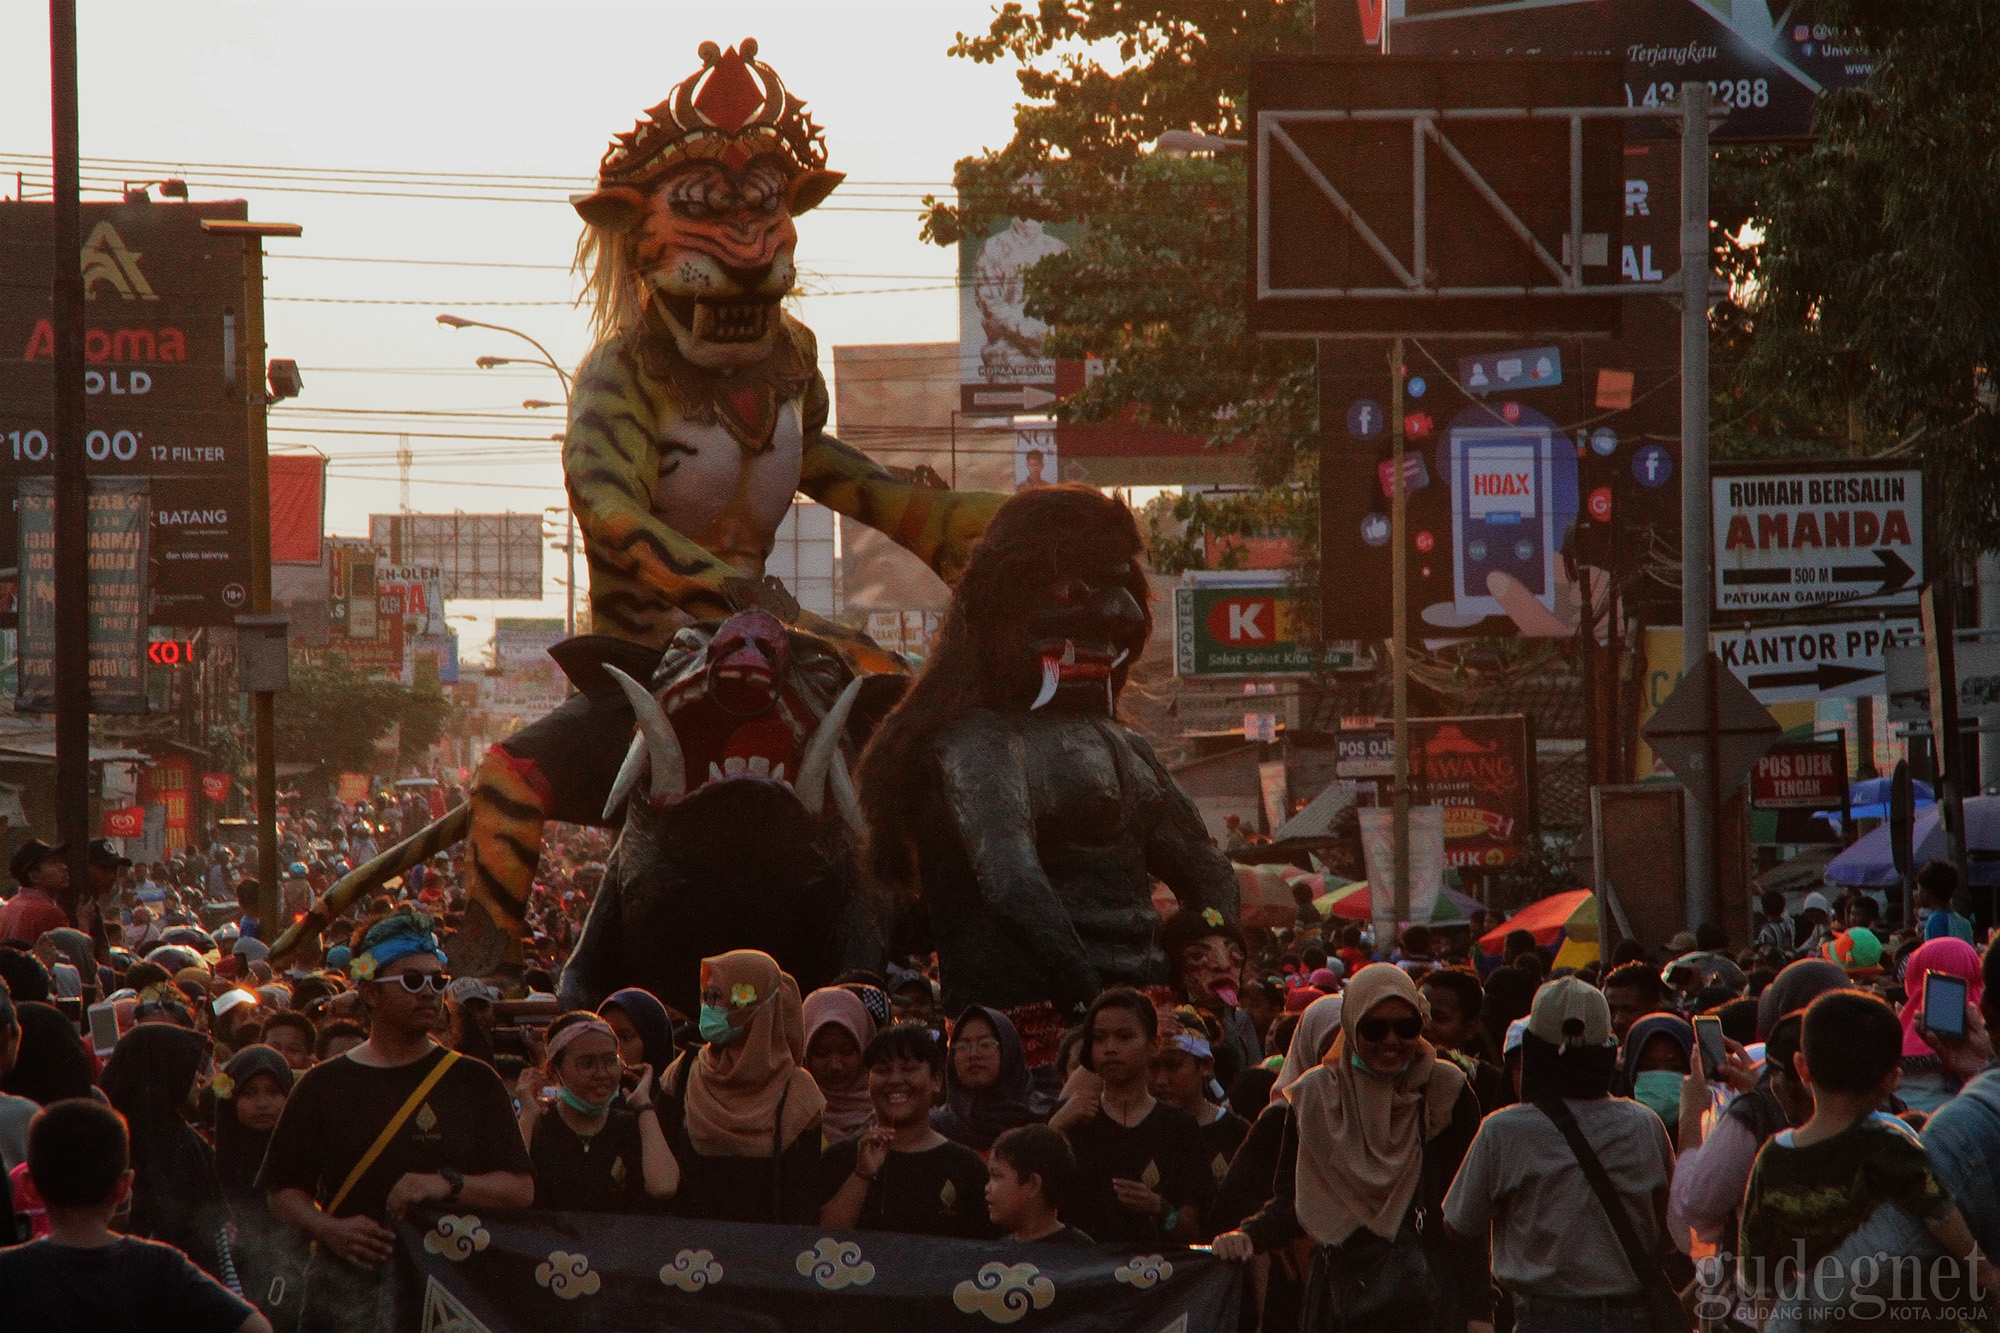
x: 777, y: 1157
x: 390, y: 1130
x: 1644, y: 1266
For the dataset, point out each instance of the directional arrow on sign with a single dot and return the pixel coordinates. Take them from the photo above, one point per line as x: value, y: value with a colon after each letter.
x: 1890, y: 570
x: 1825, y: 676
x: 1026, y: 397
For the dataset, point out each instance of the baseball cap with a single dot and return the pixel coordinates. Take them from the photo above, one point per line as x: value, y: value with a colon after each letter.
x: 1682, y: 943
x: 1570, y: 1010
x: 1816, y: 900
x: 106, y: 857
x: 471, y: 988
x: 31, y: 854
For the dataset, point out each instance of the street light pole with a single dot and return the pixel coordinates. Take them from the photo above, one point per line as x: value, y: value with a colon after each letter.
x: 569, y: 515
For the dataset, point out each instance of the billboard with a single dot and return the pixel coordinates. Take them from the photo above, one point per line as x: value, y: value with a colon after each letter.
x: 1001, y: 367
x: 1481, y: 770
x: 492, y: 556
x: 160, y: 349
x: 1789, y: 537
x: 1232, y: 627
x: 298, y: 508
x: 529, y: 681
x: 1766, y: 62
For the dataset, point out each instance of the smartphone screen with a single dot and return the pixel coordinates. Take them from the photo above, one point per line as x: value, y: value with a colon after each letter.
x: 1944, y: 1004
x: 1708, y: 1032
x: 103, y: 1027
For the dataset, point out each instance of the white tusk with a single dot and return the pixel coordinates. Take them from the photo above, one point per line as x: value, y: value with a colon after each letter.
x: 1051, y: 677
x: 628, y: 774
x: 823, y: 748
x: 662, y: 746
x: 844, y: 797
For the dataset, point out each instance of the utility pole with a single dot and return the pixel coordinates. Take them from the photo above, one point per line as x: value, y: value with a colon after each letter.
x: 72, y: 481
x: 1697, y: 574
x: 256, y: 403
x: 1399, y: 660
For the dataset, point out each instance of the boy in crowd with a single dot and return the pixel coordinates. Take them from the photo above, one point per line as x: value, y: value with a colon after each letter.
x: 900, y: 1174
x: 1030, y: 1169
x: 1852, y: 1180
x: 82, y: 1276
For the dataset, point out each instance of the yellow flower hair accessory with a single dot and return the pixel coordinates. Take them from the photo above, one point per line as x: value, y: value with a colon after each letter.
x: 742, y: 994
x: 1210, y: 915
x: 223, y: 1085
x: 363, y: 967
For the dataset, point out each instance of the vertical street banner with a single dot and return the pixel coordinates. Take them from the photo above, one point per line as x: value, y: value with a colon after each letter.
x: 118, y: 526
x: 498, y: 1273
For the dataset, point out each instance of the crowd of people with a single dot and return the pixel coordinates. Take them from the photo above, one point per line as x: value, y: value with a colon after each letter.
x: 1418, y: 1131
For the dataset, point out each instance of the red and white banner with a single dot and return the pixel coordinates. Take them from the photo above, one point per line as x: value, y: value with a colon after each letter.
x: 129, y: 822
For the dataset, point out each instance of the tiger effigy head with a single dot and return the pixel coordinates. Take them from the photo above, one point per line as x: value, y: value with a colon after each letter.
x: 690, y: 228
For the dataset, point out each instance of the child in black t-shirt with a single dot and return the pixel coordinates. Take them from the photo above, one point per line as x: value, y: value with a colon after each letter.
x: 900, y: 1174
x: 1029, y: 1171
x: 82, y: 1278
x: 1142, y: 1171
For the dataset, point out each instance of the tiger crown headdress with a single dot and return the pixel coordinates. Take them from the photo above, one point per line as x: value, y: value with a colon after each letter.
x: 690, y: 225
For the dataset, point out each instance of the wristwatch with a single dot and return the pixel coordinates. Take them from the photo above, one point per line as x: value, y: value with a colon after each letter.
x: 454, y: 1178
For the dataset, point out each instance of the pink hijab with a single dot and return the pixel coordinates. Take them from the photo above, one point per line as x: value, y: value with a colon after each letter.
x: 848, y: 1110
x: 1949, y: 956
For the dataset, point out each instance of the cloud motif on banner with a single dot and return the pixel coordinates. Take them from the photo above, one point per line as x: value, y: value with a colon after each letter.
x: 692, y: 1270
x: 1004, y: 1292
x: 568, y: 1275
x: 835, y: 1264
x: 457, y: 1238
x: 1144, y: 1270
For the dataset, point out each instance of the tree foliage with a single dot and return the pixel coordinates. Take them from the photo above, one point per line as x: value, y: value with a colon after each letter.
x: 1873, y: 313
x: 334, y: 715
x: 1153, y: 284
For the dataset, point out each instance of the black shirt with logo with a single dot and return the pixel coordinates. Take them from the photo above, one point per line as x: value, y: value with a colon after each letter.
x: 938, y: 1192
x: 1163, y: 1152
x: 604, y: 1173
x: 338, y: 1107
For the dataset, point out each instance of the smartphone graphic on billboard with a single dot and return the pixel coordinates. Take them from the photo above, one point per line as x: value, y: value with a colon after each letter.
x: 1502, y: 513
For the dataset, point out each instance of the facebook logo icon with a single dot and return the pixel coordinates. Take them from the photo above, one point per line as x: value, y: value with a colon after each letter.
x: 1652, y: 466
x: 1364, y: 418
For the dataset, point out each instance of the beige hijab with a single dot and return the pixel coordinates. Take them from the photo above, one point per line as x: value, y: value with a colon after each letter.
x: 1362, y: 1134
x: 734, y: 1091
x: 1317, y: 1026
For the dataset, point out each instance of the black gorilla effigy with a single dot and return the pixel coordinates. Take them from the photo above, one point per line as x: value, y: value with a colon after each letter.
x: 1006, y: 805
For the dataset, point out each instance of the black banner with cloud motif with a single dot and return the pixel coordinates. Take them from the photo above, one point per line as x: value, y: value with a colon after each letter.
x: 583, y: 1272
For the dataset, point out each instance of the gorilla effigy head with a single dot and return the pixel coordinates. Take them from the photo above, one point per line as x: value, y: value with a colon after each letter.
x: 1050, y: 614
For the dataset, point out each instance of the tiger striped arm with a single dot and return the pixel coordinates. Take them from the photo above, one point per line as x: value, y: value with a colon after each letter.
x: 938, y: 527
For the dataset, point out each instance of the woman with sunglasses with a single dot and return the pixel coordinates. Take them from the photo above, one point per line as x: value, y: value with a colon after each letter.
x: 592, y: 1153
x: 458, y: 1149
x: 1378, y: 1130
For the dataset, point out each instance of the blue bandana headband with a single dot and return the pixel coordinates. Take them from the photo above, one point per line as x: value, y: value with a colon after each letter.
x: 401, y: 937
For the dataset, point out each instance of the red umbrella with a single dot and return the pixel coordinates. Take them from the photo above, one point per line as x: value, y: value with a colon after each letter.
x: 1544, y: 920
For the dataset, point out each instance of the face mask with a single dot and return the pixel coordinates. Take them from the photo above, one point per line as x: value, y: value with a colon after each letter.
x: 714, y: 1024
x: 1661, y: 1090
x: 582, y: 1107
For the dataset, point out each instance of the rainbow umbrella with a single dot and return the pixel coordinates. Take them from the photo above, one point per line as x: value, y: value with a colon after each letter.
x: 1548, y: 921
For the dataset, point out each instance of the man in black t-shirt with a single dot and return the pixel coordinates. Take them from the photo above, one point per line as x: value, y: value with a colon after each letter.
x: 900, y: 1174
x: 457, y: 1149
x: 83, y: 1278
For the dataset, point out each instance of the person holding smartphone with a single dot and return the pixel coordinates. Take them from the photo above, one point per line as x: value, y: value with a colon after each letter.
x: 1927, y: 1083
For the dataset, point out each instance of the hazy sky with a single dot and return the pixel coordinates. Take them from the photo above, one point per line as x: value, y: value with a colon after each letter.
x: 444, y: 90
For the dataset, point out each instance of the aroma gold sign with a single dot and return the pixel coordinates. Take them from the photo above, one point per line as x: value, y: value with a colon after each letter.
x: 162, y: 310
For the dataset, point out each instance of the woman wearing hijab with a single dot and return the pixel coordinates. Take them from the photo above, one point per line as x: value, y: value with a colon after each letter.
x: 249, y: 1097
x: 747, y: 1133
x: 645, y: 1032
x: 152, y: 1079
x: 1926, y: 1085
x: 53, y: 1064
x: 1654, y: 1063
x: 987, y: 1087
x: 1378, y: 1129
x: 838, y: 1030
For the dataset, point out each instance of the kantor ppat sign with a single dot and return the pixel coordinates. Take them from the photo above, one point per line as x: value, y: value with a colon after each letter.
x: 1817, y: 537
